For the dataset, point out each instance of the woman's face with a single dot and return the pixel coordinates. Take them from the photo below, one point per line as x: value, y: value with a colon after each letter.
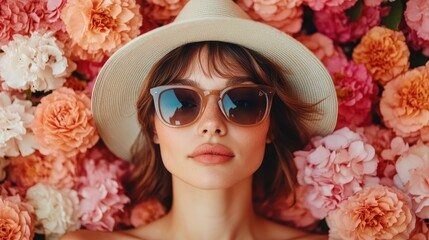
x: 211, y: 153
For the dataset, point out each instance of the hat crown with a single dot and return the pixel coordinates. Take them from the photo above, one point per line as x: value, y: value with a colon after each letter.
x: 200, y: 9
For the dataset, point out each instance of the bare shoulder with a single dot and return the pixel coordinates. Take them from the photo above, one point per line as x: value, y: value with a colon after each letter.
x: 284, y: 232
x: 89, y: 235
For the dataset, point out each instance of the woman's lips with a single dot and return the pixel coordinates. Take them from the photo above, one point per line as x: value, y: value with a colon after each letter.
x: 212, y: 154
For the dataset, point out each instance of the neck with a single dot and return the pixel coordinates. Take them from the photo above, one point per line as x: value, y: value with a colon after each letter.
x: 218, y: 214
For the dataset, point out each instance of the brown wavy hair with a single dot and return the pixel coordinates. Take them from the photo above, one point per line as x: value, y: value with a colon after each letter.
x: 277, y: 174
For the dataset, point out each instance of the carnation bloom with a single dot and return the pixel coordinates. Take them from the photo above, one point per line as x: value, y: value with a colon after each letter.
x: 63, y: 123
x: 163, y: 11
x: 3, y: 165
x: 102, y: 27
x: 384, y: 52
x: 100, y: 190
x: 146, y: 212
x: 16, y: 137
x: 417, y: 17
x: 16, y: 221
x: 355, y: 89
x: 36, y: 62
x: 404, y: 104
x: 330, y: 5
x: 340, y: 28
x: 321, y: 45
x: 52, y: 171
x: 412, y: 177
x: 335, y: 167
x: 287, y: 210
x: 55, y: 210
x: 418, y: 43
x: 281, y: 14
x: 377, y: 212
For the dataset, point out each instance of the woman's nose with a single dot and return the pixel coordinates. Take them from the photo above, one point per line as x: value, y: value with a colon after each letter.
x: 212, y: 121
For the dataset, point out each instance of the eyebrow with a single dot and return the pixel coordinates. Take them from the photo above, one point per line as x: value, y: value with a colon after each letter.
x: 230, y: 82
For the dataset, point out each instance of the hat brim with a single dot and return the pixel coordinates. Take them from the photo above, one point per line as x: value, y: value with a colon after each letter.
x: 119, y: 82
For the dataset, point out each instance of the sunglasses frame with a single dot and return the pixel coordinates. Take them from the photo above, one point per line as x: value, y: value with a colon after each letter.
x: 204, y: 94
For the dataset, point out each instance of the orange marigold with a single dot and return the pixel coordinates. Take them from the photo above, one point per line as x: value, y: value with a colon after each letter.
x: 384, y: 53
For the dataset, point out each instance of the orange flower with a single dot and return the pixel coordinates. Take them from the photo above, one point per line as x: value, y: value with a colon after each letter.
x: 404, y: 104
x: 384, y: 53
x: 75, y: 84
x: 102, y: 26
x: 16, y: 220
x: 53, y: 171
x: 377, y: 212
x: 63, y: 124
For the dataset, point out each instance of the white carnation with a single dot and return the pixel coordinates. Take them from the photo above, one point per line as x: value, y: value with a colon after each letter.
x: 16, y: 137
x: 56, y: 210
x: 36, y: 62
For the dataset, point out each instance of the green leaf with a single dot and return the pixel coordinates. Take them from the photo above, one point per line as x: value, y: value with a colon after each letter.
x: 394, y: 18
x: 355, y: 12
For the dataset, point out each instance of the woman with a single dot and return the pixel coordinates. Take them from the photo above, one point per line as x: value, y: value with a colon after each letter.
x: 219, y: 113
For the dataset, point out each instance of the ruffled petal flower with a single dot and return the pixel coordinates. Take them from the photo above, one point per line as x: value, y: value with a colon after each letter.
x: 340, y: 28
x: 162, y: 12
x: 356, y: 91
x: 102, y: 27
x: 146, y: 212
x: 3, y: 165
x: 286, y: 16
x: 16, y: 136
x: 417, y: 17
x: 412, y: 177
x: 55, y: 210
x: 330, y: 5
x: 36, y: 62
x: 377, y: 212
x: 63, y: 123
x: 384, y: 53
x: 16, y: 219
x: 321, y: 45
x: 404, y: 104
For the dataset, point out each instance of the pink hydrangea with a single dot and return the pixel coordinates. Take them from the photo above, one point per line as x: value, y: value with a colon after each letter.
x: 356, y: 91
x: 286, y: 16
x: 335, y: 167
x: 412, y: 177
x: 287, y: 211
x: 417, y: 17
x: 100, y: 189
x: 162, y: 11
x: 339, y: 27
x: 330, y: 5
x: 321, y: 45
x: 146, y: 212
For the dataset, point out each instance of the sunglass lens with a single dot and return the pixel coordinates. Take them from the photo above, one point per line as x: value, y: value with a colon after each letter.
x: 179, y: 106
x: 245, y: 106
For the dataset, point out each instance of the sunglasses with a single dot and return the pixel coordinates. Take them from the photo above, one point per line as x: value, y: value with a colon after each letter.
x: 243, y: 105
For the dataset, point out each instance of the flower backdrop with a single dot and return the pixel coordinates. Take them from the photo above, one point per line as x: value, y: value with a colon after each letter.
x: 367, y: 180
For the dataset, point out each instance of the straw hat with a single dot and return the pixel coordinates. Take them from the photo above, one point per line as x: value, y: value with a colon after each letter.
x: 121, y: 78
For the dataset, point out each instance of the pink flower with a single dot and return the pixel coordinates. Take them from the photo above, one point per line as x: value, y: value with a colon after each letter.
x: 417, y: 17
x: 102, y: 27
x: 100, y: 190
x: 89, y: 69
x: 321, y: 45
x: 356, y: 91
x: 339, y: 27
x: 53, y: 171
x: 404, y: 104
x: 51, y: 15
x: 297, y: 214
x: 283, y: 15
x: 330, y: 5
x: 163, y: 11
x: 412, y: 176
x: 373, y: 3
x: 335, y: 167
x: 146, y: 212
x: 63, y: 123
x: 418, y: 43
x: 421, y: 231
x: 16, y: 219
x: 377, y: 212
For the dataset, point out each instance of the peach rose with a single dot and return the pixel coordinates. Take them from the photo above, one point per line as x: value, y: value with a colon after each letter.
x: 384, y: 52
x: 377, y: 212
x: 101, y: 27
x: 412, y: 177
x: 404, y: 104
x: 16, y: 220
x: 54, y: 171
x: 63, y: 124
